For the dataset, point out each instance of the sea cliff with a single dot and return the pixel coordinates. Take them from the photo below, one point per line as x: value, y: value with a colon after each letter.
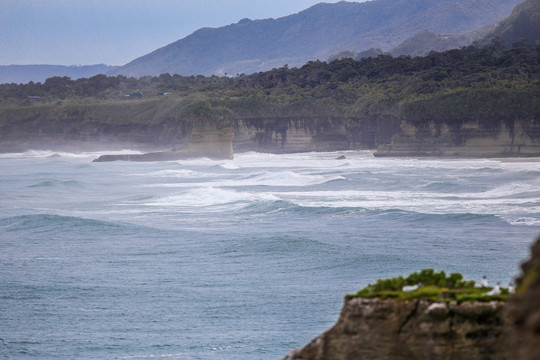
x: 386, y: 135
x: 313, y: 133
x: 467, y: 102
x: 212, y: 140
x: 402, y: 330
x: 518, y: 137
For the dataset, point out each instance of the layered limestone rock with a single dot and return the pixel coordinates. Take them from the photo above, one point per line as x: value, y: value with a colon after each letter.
x: 390, y: 135
x: 468, y: 139
x: 524, y: 310
x: 74, y: 135
x: 398, y: 330
x: 304, y: 134
x: 208, y: 139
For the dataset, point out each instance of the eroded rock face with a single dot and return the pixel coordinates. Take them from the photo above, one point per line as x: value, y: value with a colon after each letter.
x: 398, y: 330
x: 72, y: 135
x: 390, y: 135
x: 469, y: 139
x: 524, y: 310
x: 304, y: 134
x: 206, y: 140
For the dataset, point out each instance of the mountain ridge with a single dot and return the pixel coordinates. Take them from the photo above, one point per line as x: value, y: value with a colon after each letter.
x: 522, y: 24
x: 315, y: 33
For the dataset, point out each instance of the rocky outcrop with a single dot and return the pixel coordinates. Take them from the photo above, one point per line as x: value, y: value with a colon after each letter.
x: 208, y: 139
x: 469, y: 138
x: 303, y: 134
x: 402, y: 330
x: 398, y: 330
x: 524, y: 310
x: 387, y: 134
x: 390, y: 136
x: 73, y: 134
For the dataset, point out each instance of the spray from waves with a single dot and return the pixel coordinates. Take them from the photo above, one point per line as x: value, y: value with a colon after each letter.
x: 365, y: 161
x: 441, y: 186
x: 229, y: 165
x: 189, y: 173
x: 391, y: 211
x: 508, y: 208
x: 313, y: 160
x: 209, y: 198
x: 266, y: 178
x: 170, y: 173
x: 460, y: 191
x: 412, y: 205
x: 287, y: 178
x: 514, y: 190
x: 521, y: 220
x: 61, y: 154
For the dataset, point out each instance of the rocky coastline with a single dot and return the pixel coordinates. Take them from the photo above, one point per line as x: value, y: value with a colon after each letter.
x: 385, y: 135
x: 402, y: 330
x: 207, y: 139
x: 399, y: 330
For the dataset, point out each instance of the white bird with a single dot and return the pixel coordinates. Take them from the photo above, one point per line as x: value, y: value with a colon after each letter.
x: 409, y: 288
x: 511, y: 289
x: 484, y: 282
x: 495, y: 291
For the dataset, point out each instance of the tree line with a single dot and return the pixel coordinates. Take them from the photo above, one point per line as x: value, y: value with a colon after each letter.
x: 488, y: 82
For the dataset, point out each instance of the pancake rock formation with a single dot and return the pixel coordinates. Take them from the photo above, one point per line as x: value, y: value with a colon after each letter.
x: 208, y: 139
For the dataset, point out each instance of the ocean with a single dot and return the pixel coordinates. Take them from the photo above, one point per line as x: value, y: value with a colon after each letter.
x: 237, y: 259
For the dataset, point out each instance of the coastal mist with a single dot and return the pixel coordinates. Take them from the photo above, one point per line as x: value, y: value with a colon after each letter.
x: 237, y: 259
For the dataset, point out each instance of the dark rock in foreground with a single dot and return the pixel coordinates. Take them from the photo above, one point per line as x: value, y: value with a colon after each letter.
x: 403, y: 330
x: 375, y: 329
x: 524, y: 310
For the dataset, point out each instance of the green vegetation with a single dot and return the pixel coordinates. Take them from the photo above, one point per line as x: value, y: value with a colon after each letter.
x: 491, y: 85
x: 434, y: 286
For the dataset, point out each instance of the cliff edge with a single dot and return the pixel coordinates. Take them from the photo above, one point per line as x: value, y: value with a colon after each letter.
x: 375, y: 328
x: 208, y: 139
x: 398, y: 330
x: 524, y: 310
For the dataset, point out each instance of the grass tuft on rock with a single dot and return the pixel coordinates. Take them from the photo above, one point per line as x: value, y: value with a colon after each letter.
x: 432, y: 286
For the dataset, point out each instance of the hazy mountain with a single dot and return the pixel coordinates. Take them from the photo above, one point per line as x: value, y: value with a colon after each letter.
x: 523, y: 23
x: 426, y: 41
x: 421, y: 44
x: 316, y: 33
x: 39, y: 73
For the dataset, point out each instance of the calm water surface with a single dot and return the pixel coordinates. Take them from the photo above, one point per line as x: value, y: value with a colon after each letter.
x: 240, y: 259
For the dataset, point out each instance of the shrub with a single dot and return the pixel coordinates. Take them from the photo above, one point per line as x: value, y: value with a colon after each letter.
x: 434, y: 286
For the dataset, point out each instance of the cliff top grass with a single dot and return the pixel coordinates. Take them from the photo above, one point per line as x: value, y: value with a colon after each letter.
x: 429, y: 285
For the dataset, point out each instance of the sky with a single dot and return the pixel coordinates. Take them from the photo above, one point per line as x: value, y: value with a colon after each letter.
x: 114, y: 32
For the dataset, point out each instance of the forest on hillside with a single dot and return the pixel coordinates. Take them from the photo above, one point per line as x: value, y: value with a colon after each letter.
x: 490, y: 83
